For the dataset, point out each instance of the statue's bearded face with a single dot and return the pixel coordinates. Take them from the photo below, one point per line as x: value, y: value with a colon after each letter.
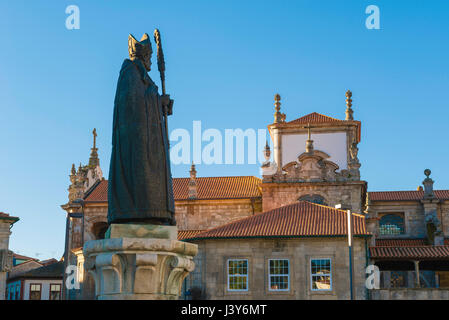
x: 146, y: 59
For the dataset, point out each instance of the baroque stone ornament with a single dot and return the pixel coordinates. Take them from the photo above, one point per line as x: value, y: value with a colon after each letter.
x: 140, y: 182
x: 279, y: 117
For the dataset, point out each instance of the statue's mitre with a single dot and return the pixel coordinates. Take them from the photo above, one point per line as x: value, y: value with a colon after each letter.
x: 139, y: 48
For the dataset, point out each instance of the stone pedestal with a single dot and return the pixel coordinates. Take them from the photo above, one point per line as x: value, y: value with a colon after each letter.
x: 139, y: 268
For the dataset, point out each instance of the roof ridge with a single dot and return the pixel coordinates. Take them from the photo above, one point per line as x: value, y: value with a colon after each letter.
x: 277, y: 211
x: 339, y: 210
x: 321, y: 114
x: 315, y: 113
x: 408, y: 246
x: 220, y: 177
x: 408, y: 190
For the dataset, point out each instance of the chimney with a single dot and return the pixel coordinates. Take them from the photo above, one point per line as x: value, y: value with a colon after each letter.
x: 193, y: 192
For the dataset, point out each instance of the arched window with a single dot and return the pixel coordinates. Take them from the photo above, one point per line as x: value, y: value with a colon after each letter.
x: 99, y: 229
x: 314, y: 198
x: 391, y: 224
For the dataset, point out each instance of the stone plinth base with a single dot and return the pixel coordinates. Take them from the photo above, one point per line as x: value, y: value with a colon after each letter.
x: 138, y: 268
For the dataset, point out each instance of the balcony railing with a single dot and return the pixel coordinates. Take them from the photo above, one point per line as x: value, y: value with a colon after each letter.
x: 408, y: 279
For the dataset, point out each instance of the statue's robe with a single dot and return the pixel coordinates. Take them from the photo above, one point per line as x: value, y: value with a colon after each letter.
x: 140, y: 183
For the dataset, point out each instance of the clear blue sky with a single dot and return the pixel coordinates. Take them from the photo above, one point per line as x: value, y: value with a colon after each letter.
x: 225, y: 61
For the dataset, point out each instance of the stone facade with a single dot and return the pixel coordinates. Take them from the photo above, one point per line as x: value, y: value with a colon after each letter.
x: 213, y: 256
x: 205, y: 214
x: 414, y: 217
x: 275, y: 195
x: 323, y: 168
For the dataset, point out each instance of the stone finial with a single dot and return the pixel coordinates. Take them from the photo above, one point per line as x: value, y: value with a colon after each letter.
x: 192, y: 171
x: 94, y: 160
x: 278, y: 116
x: 428, y: 185
x: 193, y: 190
x: 349, y: 111
x: 267, y: 152
x: 309, y: 142
x: 73, y: 174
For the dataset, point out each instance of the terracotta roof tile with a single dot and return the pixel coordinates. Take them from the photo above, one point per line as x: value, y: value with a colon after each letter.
x: 314, y: 118
x: 400, y: 242
x: 318, y: 118
x: 186, y: 234
x: 302, y: 219
x: 410, y: 252
x: 219, y: 187
x: 208, y: 188
x: 405, y: 195
x: 21, y: 257
x: 98, y: 193
x: 404, y: 242
x: 4, y: 215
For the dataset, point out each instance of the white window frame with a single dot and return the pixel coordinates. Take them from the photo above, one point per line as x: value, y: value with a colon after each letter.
x: 314, y: 274
x: 229, y: 276
x: 269, y: 275
x: 50, y: 291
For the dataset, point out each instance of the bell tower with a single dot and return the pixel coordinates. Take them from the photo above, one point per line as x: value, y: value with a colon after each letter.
x: 315, y: 158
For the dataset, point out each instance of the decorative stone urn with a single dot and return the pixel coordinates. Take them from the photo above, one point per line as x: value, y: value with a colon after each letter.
x: 149, y: 266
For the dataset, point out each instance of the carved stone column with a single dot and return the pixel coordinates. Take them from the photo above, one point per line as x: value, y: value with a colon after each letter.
x: 139, y: 268
x: 6, y: 257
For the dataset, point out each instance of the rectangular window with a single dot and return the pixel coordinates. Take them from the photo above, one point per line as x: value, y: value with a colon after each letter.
x: 278, y: 275
x: 321, y: 275
x: 17, y: 292
x: 238, y: 275
x: 55, y: 291
x: 35, y: 291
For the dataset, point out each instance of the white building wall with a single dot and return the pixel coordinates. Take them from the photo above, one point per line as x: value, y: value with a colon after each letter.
x: 45, y: 288
x: 334, y: 144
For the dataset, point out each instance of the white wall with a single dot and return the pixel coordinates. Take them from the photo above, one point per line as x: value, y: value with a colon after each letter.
x: 45, y: 288
x: 334, y: 144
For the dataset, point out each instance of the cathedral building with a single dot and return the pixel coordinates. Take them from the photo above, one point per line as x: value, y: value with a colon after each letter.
x: 285, y: 235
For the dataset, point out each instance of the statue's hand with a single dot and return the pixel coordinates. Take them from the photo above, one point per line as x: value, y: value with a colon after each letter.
x: 167, y: 104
